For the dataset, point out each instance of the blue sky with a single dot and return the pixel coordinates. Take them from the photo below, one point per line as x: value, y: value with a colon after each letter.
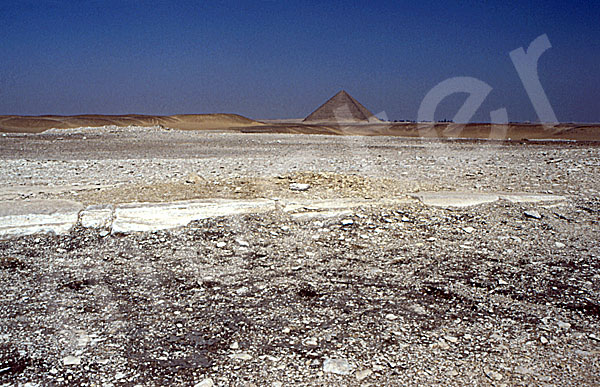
x: 276, y: 59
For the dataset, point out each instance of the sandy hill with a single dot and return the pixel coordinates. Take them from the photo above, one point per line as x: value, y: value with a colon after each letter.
x: 36, y: 124
x: 341, y: 108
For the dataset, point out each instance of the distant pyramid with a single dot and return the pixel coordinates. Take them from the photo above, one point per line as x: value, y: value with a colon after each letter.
x: 341, y: 108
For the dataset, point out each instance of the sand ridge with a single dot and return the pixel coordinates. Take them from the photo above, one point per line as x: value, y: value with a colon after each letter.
x: 37, y: 124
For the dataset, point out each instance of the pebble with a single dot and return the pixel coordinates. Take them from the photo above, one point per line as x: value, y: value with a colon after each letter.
x: 493, y: 374
x: 563, y: 325
x: 523, y: 370
x: 533, y: 214
x: 221, y: 244
x: 242, y: 243
x: 235, y: 345
x: 468, y: 230
x: 299, y: 187
x: 502, y: 282
x: 362, y: 375
x: 337, y: 366
x: 347, y: 222
x: 241, y: 291
x: 559, y: 245
x: 205, y: 383
x: 72, y: 360
x: 543, y: 340
x: 312, y: 342
x: 451, y: 339
x: 390, y: 316
x: 241, y: 356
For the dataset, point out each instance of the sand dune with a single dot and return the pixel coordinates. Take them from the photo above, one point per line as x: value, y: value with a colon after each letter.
x: 37, y: 124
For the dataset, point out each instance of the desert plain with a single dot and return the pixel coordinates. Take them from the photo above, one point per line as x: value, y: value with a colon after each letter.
x: 245, y: 253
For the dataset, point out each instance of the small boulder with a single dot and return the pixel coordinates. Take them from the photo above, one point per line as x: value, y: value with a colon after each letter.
x: 299, y: 187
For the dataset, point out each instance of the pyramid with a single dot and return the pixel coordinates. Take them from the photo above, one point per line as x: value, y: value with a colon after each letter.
x: 341, y: 108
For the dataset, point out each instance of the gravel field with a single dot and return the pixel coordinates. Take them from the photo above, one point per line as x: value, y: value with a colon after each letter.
x: 409, y: 294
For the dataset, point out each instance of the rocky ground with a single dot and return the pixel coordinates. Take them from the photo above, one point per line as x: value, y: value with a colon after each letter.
x: 497, y: 294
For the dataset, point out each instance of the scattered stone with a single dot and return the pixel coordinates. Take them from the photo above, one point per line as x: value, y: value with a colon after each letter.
x: 502, y: 282
x: 83, y: 340
x: 241, y: 356
x: 453, y: 373
x: 559, y: 245
x: 337, y: 366
x: 208, y: 382
x: 442, y: 344
x: 523, y: 370
x: 299, y: 187
x: 193, y: 178
x: 241, y: 291
x: 242, y: 243
x: 221, y: 244
x: 311, y: 342
x: 72, y: 360
x: 235, y: 345
x: 533, y: 214
x: 347, y: 222
x: 451, y: 339
x: 543, y: 340
x: 119, y: 375
x: 497, y: 376
x: 468, y: 230
x: 418, y: 309
x: 390, y: 316
x: 363, y: 374
x: 563, y: 325
x: 405, y: 219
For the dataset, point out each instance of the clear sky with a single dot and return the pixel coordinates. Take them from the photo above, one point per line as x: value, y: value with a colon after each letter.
x: 281, y: 59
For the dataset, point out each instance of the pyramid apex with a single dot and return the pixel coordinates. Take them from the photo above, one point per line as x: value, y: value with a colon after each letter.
x: 341, y: 108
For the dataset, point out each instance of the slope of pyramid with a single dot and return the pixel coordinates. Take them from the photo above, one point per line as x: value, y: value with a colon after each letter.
x: 341, y: 108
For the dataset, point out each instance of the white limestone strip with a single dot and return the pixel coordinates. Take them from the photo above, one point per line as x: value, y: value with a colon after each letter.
x: 466, y: 199
x: 531, y: 198
x: 136, y: 217
x: 337, y: 204
x: 455, y: 199
x: 26, y: 217
x: 97, y: 216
